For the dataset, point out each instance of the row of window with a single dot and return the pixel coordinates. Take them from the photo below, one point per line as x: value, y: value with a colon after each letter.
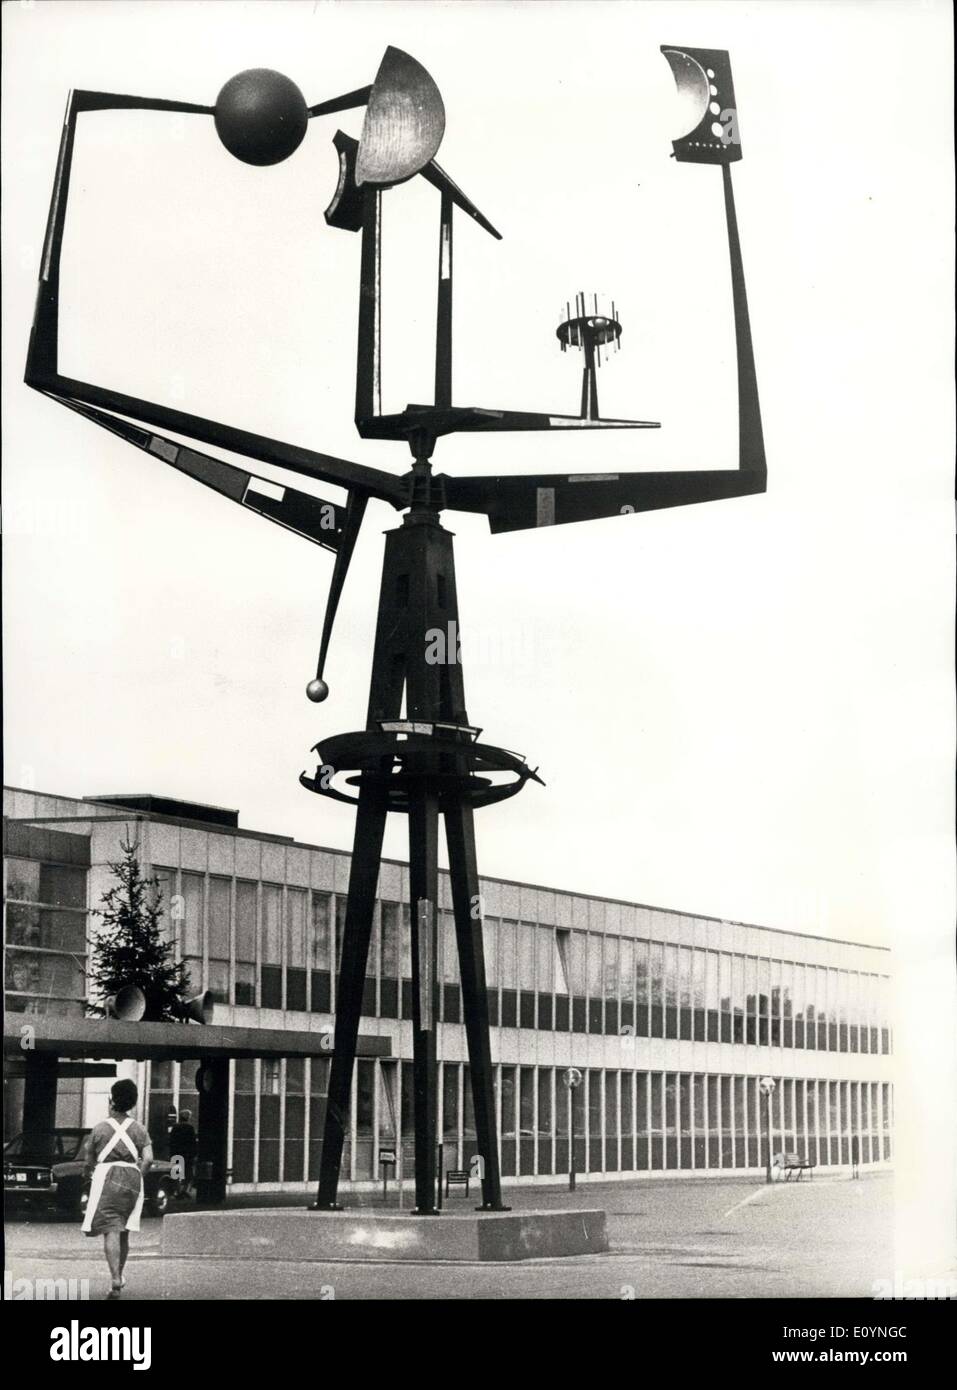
x: 276, y: 947
x: 619, y: 1121
x: 45, y: 936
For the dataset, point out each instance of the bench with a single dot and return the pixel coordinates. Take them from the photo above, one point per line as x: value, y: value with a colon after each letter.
x: 793, y: 1163
x: 457, y: 1177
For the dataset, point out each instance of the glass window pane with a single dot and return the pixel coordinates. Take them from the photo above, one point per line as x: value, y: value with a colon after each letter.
x: 490, y: 943
x: 526, y: 956
x: 577, y: 963
x: 296, y: 903
x: 272, y: 924
x: 219, y: 894
x: 246, y: 894
x: 390, y: 941
x: 449, y: 949
x: 192, y: 926
x: 22, y: 880
x: 508, y: 964
x: 594, y: 960
x: 61, y: 886
x: 545, y: 964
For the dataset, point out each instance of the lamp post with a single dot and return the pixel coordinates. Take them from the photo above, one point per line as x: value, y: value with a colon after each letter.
x: 766, y: 1087
x: 572, y: 1077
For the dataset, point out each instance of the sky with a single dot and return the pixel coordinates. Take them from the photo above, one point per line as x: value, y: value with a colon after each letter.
x: 742, y: 709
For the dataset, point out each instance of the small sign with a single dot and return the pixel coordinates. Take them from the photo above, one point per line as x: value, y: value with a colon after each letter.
x: 387, y: 1156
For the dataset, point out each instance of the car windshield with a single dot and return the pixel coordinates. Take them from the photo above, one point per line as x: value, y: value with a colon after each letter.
x: 52, y: 1146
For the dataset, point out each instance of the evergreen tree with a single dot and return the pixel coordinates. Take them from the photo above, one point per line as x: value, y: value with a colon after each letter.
x: 130, y: 949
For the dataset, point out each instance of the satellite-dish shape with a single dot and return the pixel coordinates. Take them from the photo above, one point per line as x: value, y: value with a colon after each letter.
x: 404, y: 122
x: 694, y: 91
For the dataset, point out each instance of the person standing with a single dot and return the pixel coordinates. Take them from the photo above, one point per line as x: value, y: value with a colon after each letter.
x: 117, y: 1153
x: 182, y: 1142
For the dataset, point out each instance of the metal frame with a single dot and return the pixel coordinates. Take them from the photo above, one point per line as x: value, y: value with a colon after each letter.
x: 443, y: 772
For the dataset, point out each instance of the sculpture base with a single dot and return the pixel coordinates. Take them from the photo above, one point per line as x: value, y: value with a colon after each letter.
x: 283, y: 1234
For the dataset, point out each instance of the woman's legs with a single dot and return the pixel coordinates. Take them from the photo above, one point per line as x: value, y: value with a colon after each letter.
x: 112, y: 1245
x: 124, y: 1249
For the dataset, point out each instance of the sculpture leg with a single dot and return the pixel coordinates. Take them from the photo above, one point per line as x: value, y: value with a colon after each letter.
x: 463, y: 868
x: 424, y: 887
x: 363, y: 880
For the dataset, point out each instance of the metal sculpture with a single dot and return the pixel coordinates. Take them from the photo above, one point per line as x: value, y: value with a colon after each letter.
x: 418, y: 754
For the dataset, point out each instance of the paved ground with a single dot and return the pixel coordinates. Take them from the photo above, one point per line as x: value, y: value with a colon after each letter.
x: 828, y: 1237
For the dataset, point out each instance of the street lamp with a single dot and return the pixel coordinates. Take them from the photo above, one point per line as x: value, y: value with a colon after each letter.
x: 572, y: 1077
x: 766, y: 1087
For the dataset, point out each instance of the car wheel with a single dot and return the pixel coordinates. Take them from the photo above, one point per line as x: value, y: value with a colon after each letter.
x: 159, y: 1201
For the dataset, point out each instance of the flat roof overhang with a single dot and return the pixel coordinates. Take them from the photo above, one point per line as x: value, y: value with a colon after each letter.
x: 96, y: 1038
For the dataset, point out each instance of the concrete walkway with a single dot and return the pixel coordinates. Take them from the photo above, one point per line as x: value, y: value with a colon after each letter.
x: 829, y: 1237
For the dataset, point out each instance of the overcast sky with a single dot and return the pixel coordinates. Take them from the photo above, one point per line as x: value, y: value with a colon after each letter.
x: 742, y: 709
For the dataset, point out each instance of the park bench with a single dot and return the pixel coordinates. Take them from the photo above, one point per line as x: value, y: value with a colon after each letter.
x: 457, y: 1177
x: 793, y: 1163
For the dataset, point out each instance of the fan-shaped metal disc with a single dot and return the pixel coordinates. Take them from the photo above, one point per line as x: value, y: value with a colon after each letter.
x: 404, y: 122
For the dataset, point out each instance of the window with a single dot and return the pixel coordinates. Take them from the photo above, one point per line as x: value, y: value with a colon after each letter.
x: 48, y: 929
x: 389, y: 982
x: 671, y: 992
x: 164, y: 887
x: 54, y: 885
x: 545, y: 961
x: 751, y: 998
x: 738, y: 998
x: 642, y: 989
x: 764, y: 995
x: 627, y: 972
x: 321, y: 953
x: 656, y: 971
x: 775, y: 1003
x: 490, y: 944
x: 698, y: 995
x: 596, y: 983
x: 245, y: 920
x: 193, y: 893
x: 712, y: 996
x: 271, y: 967
x: 508, y: 968
x: 684, y: 992
x: 219, y: 894
x: 297, y: 903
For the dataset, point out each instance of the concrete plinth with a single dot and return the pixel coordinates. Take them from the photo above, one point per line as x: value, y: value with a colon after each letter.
x: 282, y: 1234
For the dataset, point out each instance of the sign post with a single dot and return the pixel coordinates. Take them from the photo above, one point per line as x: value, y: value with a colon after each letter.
x: 386, y: 1161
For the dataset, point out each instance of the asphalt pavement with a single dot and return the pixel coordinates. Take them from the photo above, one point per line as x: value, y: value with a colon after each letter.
x: 828, y: 1237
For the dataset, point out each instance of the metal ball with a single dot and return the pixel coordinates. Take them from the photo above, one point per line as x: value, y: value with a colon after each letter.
x: 317, y: 691
x: 261, y: 116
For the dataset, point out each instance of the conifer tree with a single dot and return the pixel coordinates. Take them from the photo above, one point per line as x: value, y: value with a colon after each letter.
x: 130, y: 949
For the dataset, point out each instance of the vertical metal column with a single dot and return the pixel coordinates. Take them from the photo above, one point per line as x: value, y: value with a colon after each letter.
x: 363, y: 880
x: 463, y: 867
x: 424, y: 887
x: 368, y: 359
x: 443, y: 324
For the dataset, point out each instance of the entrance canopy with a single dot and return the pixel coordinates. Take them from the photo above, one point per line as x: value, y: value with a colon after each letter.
x: 25, y: 1035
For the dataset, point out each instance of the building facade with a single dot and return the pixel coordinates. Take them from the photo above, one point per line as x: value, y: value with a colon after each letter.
x: 671, y: 1018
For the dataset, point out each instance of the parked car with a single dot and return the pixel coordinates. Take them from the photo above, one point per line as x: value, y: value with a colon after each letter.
x: 45, y: 1170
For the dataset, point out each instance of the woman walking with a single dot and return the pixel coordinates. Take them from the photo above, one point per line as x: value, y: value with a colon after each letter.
x: 117, y: 1153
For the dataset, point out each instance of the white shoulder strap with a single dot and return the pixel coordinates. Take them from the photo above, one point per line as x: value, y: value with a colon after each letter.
x: 119, y: 1133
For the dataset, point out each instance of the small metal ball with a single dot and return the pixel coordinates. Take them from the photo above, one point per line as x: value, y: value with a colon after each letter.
x: 261, y: 116
x: 317, y: 691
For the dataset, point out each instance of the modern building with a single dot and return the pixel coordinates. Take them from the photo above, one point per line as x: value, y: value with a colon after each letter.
x: 671, y: 1018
